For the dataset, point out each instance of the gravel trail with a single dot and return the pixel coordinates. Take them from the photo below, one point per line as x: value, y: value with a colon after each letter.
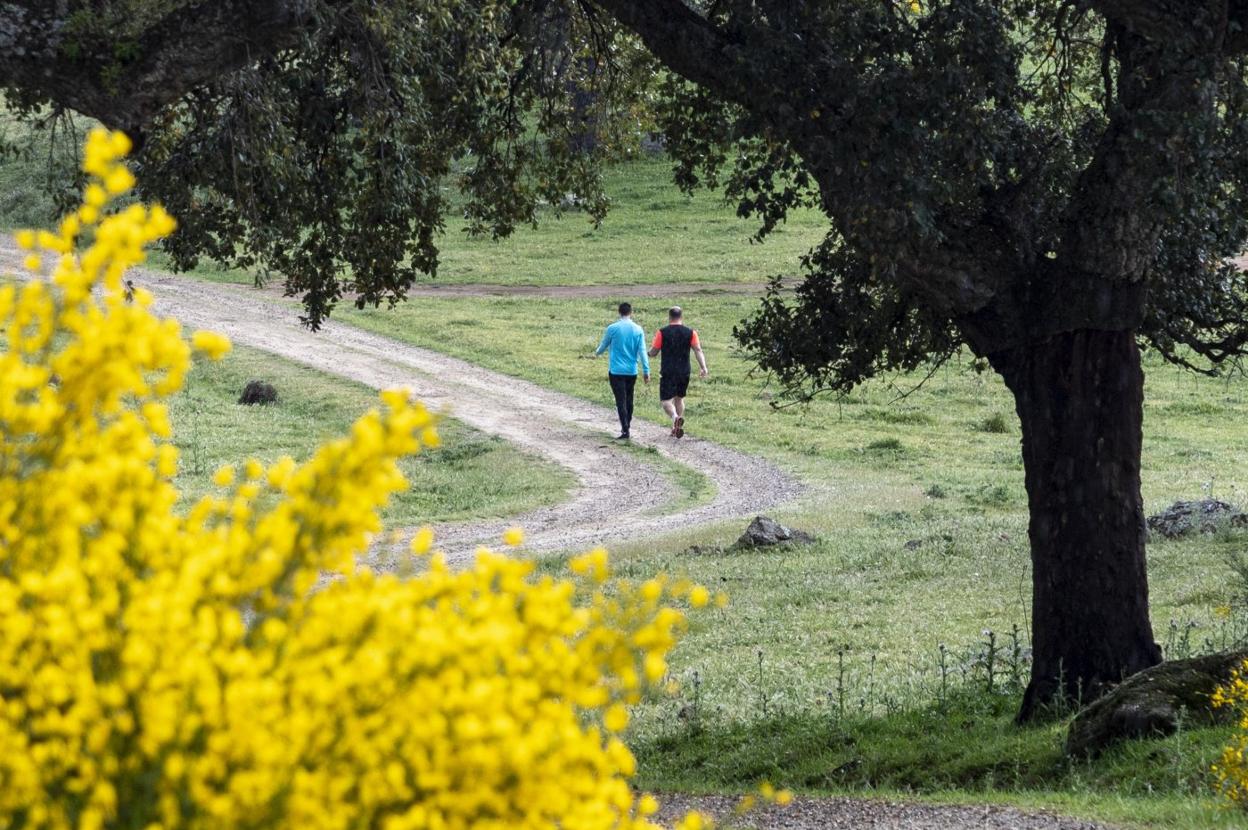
x: 619, y: 496
x: 870, y: 814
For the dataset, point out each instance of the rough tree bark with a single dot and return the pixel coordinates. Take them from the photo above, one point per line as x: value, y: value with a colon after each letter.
x: 1080, y: 398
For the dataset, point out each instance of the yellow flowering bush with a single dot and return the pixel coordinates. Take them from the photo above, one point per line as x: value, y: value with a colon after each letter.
x: 1231, y: 770
x: 166, y: 665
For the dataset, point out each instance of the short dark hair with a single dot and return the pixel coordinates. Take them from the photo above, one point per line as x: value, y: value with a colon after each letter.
x: 675, y: 313
x: 626, y: 309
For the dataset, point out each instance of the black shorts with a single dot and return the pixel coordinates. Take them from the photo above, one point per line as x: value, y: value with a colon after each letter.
x: 673, y: 386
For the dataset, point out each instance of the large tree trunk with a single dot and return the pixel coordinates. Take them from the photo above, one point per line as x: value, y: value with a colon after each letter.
x: 1080, y: 398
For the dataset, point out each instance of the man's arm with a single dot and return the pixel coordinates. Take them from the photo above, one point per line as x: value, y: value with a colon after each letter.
x: 641, y: 352
x: 697, y: 352
x: 606, y: 341
x: 657, y: 345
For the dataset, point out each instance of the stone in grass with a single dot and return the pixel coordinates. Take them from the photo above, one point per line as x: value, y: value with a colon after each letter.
x: 1151, y: 703
x: 258, y: 392
x: 1186, y: 517
x: 764, y: 532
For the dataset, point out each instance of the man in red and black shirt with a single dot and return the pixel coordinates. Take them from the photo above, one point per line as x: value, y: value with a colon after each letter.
x: 674, y: 341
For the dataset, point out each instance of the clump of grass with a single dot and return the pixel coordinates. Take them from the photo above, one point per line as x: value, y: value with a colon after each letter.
x: 991, y: 495
x: 996, y: 424
x: 1197, y: 408
x: 895, y: 416
x: 886, y: 445
x: 936, y: 491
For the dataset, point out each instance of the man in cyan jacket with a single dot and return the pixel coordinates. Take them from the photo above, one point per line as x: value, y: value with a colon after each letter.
x: 627, y: 343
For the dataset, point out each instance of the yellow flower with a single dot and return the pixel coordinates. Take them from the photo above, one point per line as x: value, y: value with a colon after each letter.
x: 224, y: 476
x: 216, y: 346
x: 616, y: 718
x: 513, y: 537
x: 422, y: 541
x: 119, y: 180
x: 694, y: 821
x: 699, y: 596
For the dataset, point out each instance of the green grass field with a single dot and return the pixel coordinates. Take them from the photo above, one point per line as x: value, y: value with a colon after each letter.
x: 471, y: 475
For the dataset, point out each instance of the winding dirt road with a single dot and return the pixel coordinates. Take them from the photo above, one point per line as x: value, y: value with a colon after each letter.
x: 619, y: 497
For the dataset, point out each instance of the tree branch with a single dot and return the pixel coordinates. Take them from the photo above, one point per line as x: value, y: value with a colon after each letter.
x: 1157, y: 20
x: 694, y: 48
x: 45, y: 50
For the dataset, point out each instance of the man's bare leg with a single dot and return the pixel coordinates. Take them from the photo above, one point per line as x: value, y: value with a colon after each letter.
x: 678, y: 425
x: 669, y: 407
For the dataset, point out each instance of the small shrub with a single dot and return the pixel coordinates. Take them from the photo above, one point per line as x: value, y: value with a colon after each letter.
x: 886, y: 445
x: 936, y: 491
x: 996, y: 424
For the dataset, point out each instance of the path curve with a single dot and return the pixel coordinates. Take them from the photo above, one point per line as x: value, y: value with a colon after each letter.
x: 619, y: 497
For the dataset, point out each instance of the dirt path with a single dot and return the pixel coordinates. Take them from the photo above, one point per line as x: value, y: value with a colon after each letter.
x: 572, y: 292
x: 620, y: 497
x: 609, y: 291
x: 860, y: 814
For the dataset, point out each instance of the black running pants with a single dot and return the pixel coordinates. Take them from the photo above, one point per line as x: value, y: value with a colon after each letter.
x: 622, y: 387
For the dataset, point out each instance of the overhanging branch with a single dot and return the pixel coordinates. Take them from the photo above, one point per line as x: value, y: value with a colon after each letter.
x: 43, y: 52
x: 697, y: 50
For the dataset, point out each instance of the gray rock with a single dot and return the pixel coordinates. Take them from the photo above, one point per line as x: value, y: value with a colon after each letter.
x: 258, y: 392
x: 1204, y: 516
x: 764, y: 532
x: 1152, y: 702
